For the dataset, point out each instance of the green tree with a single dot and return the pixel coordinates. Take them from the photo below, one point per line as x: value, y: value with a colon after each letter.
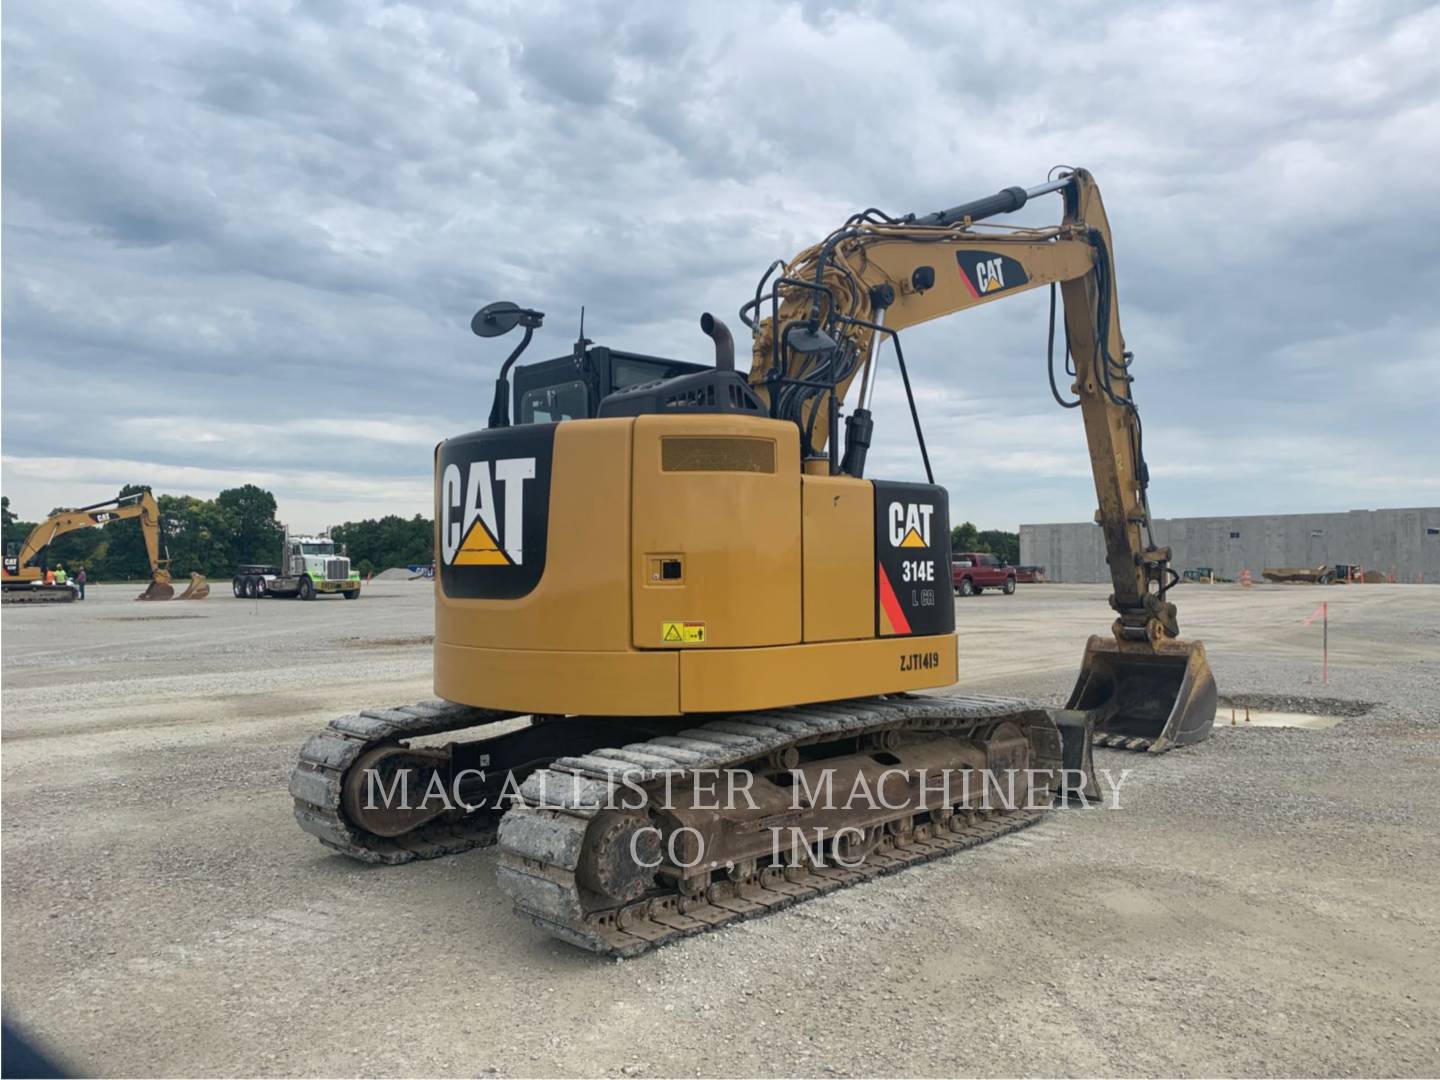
x: 1003, y: 545
x: 963, y: 537
x: 200, y: 535
x: 257, y: 536
x: 377, y: 544
x: 15, y: 531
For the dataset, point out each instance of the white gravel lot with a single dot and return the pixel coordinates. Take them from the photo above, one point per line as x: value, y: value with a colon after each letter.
x: 1264, y: 904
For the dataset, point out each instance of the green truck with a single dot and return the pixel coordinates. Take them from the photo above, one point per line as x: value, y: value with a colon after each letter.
x: 312, y: 565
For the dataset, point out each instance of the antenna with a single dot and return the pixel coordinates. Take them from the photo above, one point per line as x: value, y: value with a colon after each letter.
x: 582, y: 340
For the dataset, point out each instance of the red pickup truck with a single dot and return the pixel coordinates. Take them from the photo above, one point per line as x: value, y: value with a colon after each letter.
x: 974, y: 572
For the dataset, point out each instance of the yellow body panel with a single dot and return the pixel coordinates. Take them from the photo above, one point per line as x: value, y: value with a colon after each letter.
x: 583, y: 600
x: 839, y: 558
x: 735, y: 533
x: 764, y: 557
x: 623, y: 682
x: 725, y: 680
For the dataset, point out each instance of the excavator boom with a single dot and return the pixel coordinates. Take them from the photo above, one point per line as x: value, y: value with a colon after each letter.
x: 20, y: 582
x: 834, y: 305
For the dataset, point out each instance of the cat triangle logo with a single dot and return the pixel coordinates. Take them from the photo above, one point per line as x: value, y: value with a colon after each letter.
x: 912, y: 539
x: 480, y: 549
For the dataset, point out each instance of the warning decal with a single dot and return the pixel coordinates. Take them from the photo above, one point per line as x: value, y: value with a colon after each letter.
x: 682, y: 633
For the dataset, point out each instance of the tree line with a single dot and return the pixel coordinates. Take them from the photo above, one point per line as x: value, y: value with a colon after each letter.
x: 213, y: 536
x: 207, y: 536
x: 376, y: 544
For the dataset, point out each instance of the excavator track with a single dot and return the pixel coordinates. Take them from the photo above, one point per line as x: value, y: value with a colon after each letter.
x: 48, y: 594
x: 317, y: 783
x: 552, y: 845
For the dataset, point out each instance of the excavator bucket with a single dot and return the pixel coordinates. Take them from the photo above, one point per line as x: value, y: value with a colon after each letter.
x: 158, y: 590
x: 198, y: 589
x: 1153, y: 698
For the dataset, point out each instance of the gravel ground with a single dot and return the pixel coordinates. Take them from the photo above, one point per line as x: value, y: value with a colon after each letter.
x: 1264, y: 904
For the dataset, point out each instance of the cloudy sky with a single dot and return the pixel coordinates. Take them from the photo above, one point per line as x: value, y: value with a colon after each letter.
x: 243, y: 241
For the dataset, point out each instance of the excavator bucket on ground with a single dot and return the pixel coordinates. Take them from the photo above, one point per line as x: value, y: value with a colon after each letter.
x: 1153, y: 698
x: 158, y: 589
x: 198, y: 589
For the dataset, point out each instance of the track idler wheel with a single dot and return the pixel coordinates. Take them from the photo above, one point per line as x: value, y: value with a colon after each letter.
x: 609, y: 865
x: 391, y: 790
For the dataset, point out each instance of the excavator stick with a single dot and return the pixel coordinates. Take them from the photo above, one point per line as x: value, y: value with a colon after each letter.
x: 1152, y: 698
x: 158, y: 589
x: 198, y: 589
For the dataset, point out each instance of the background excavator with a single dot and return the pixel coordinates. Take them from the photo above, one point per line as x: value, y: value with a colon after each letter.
x: 24, y: 578
x: 673, y: 569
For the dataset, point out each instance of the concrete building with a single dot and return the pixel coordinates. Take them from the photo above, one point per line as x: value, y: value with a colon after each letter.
x: 1403, y: 542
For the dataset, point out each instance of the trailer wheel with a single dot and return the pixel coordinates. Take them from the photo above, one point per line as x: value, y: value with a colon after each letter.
x: 1009, y: 586
x: 252, y: 587
x: 237, y: 586
x: 307, y: 588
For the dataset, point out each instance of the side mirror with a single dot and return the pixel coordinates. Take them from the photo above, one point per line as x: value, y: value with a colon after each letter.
x: 491, y: 321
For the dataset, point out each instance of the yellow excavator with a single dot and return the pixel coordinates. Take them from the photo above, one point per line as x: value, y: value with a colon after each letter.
x: 26, y: 581
x: 676, y: 572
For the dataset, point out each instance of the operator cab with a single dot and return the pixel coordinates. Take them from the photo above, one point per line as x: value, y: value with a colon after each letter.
x: 572, y: 387
x: 595, y: 382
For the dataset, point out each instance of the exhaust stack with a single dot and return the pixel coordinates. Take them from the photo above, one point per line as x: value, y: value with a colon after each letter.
x: 724, y: 343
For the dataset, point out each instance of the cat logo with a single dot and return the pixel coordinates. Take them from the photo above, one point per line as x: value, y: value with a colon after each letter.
x: 985, y: 272
x: 471, y: 533
x: 910, y: 524
x: 989, y: 274
x: 101, y: 518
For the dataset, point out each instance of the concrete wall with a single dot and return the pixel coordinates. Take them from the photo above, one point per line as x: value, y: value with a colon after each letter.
x: 1403, y: 542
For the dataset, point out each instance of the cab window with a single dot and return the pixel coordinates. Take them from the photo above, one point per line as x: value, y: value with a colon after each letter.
x: 551, y: 404
x: 626, y: 373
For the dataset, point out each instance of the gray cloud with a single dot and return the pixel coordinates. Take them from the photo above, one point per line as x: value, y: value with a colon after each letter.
x: 245, y: 241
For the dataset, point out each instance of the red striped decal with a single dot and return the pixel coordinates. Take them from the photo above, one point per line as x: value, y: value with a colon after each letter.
x: 890, y: 605
x: 968, y: 284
